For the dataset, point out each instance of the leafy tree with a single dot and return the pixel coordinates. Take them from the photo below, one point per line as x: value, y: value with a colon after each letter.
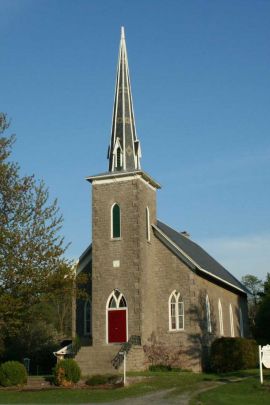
x: 254, y: 285
x: 262, y: 319
x: 31, y: 247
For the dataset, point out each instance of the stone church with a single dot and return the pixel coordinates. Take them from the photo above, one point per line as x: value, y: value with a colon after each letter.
x: 153, y: 292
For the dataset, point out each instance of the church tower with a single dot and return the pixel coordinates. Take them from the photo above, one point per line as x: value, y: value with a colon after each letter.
x: 124, y: 207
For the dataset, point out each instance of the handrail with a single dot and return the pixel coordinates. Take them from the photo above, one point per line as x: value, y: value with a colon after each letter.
x: 125, y: 348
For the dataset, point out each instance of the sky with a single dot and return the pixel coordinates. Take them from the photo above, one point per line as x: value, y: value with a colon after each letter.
x: 200, y: 76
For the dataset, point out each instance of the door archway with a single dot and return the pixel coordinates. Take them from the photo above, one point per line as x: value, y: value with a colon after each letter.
x: 117, y: 318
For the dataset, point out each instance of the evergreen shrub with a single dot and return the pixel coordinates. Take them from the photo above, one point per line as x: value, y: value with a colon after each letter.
x: 99, y: 379
x: 232, y: 354
x: 12, y: 373
x: 66, y: 372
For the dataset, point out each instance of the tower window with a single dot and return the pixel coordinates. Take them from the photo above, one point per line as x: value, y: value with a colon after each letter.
x: 118, y: 158
x: 176, y: 312
x: 116, y: 221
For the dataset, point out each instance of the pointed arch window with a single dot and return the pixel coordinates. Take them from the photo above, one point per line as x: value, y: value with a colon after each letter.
x: 241, y: 323
x: 176, y: 312
x: 147, y: 224
x: 119, y: 158
x: 231, y: 321
x: 208, y: 314
x: 116, y: 221
x: 87, y: 317
x: 220, y: 314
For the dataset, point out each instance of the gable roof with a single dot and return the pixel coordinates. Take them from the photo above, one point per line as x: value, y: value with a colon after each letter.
x: 195, y: 256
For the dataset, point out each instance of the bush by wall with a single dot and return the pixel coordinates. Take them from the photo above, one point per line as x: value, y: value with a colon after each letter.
x: 231, y: 354
x: 102, y: 379
x: 66, y: 372
x: 12, y: 373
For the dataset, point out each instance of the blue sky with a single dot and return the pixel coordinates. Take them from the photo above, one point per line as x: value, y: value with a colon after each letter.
x: 200, y: 74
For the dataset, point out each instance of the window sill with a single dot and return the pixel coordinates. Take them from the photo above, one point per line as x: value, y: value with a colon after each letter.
x: 115, y: 239
x: 176, y: 330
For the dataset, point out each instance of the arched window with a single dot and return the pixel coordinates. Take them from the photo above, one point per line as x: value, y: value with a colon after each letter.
x: 147, y: 224
x: 221, y: 328
x: 116, y: 221
x: 116, y: 310
x: 208, y: 314
x: 231, y: 321
x: 176, y: 312
x: 87, y: 317
x: 241, y: 324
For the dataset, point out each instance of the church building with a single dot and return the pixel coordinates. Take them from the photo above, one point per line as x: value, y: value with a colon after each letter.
x: 154, y: 293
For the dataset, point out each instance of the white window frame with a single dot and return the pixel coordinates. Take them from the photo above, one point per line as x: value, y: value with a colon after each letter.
x: 231, y: 321
x: 147, y: 224
x: 118, y: 237
x: 178, y: 300
x: 208, y: 314
x: 220, y: 314
x: 241, y: 323
x: 115, y: 309
x: 84, y: 318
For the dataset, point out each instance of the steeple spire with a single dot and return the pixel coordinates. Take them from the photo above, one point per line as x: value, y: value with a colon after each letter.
x: 124, y: 150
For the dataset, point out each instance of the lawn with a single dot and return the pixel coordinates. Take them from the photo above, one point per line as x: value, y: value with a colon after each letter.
x: 249, y: 391
x: 246, y: 391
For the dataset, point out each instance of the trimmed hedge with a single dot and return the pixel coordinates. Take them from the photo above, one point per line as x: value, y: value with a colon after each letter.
x: 12, y: 373
x: 160, y: 367
x: 102, y: 379
x: 231, y: 354
x: 66, y: 372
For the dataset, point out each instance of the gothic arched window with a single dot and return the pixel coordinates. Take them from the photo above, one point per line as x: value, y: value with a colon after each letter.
x: 176, y: 312
x: 208, y: 314
x: 241, y: 323
x: 87, y: 317
x: 220, y: 314
x: 116, y: 221
x: 231, y: 321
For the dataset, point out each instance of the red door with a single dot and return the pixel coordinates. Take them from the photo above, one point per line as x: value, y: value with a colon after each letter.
x: 117, y: 326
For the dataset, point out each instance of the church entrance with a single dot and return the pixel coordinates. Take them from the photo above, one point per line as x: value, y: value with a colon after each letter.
x: 116, y: 318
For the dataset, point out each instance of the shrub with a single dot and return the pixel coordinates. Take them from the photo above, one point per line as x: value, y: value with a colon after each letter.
x: 160, y: 367
x: 102, y: 379
x: 231, y: 354
x: 66, y: 372
x: 12, y: 373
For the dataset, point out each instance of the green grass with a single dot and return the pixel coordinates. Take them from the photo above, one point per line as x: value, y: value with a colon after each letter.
x: 158, y: 381
x: 249, y: 391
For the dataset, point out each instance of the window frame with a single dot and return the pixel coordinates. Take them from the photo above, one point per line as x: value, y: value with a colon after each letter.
x: 112, y: 221
x: 147, y: 214
x: 220, y: 315
x: 178, y: 300
x: 85, y: 332
x: 208, y: 314
x: 231, y: 321
x: 241, y: 323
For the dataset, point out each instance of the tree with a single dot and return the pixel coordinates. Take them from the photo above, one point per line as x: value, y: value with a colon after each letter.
x: 254, y: 285
x: 262, y: 319
x: 31, y: 247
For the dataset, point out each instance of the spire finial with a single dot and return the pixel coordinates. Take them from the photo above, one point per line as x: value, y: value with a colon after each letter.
x: 124, y: 151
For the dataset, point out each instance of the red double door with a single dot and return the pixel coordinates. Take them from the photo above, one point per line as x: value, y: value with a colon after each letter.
x: 117, y: 326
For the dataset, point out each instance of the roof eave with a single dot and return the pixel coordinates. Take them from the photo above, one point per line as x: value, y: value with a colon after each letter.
x: 117, y: 175
x: 192, y: 264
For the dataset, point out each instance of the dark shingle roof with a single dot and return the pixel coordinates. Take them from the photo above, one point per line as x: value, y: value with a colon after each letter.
x: 196, y: 256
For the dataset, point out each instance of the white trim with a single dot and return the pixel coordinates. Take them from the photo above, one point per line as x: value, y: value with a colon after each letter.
x: 84, y: 318
x: 241, y: 323
x: 122, y: 178
x: 120, y: 225
x: 208, y: 314
x: 193, y: 262
x: 231, y: 321
x: 147, y: 224
x: 115, y: 309
x: 177, y: 297
x: 220, y: 315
